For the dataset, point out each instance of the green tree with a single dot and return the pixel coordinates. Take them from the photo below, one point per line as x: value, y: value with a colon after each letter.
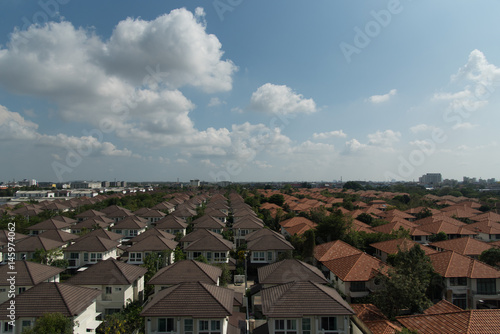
x: 491, y: 256
x: 406, y: 283
x: 352, y: 185
x: 51, y: 257
x: 333, y: 227
x: 309, y: 245
x: 225, y: 277
x: 51, y: 323
x: 365, y: 218
x: 424, y: 213
x: 277, y: 199
x: 441, y: 236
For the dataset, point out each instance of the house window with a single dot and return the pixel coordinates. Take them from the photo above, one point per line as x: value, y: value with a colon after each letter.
x: 118, y: 231
x: 7, y: 328
x: 209, y: 256
x: 285, y: 326
x: 269, y: 256
x: 328, y: 324
x: 74, y: 256
x: 26, y: 323
x: 188, y: 326
x: 94, y: 257
x: 458, y: 281
x: 209, y: 327
x: 460, y: 300
x: 417, y: 238
x: 196, y: 255
x: 358, y: 287
x: 486, y: 286
x: 259, y: 256
x: 86, y: 257
x: 132, y: 233
x: 166, y: 325
x: 220, y: 257
x: 135, y: 257
x: 109, y: 290
x: 21, y: 290
x: 306, y: 326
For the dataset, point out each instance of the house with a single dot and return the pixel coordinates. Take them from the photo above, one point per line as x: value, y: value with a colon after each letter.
x: 217, y: 214
x: 149, y: 232
x: 468, y: 282
x: 28, y: 274
x: 90, y: 224
x: 287, y: 271
x: 151, y: 215
x: 296, y: 225
x: 89, y: 214
x: 266, y: 246
x: 453, y: 228
x: 90, y: 250
x: 130, y: 227
x: 119, y: 214
x: 466, y: 246
x: 384, y: 248
x: 119, y: 284
x: 245, y: 226
x: 369, y: 316
x: 215, y: 249
x: 59, y: 235
x: 185, y: 271
x: 165, y: 207
x: 151, y: 244
x: 172, y: 225
x: 49, y: 224
x: 422, y: 237
x: 184, y: 212
x: 6, y: 237
x: 355, y: 275
x: 487, y: 230
x: 334, y: 250
x: 74, y: 302
x: 26, y: 248
x: 192, y: 307
x: 209, y: 223
x: 291, y: 308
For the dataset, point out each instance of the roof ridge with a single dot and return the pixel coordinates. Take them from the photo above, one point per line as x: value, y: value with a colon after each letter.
x: 115, y: 263
x: 205, y: 287
x: 57, y: 285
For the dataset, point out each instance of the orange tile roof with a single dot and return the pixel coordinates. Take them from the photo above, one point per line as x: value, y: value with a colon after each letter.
x: 488, y: 215
x: 465, y: 246
x: 334, y: 250
x: 485, y: 226
x: 393, y: 246
x: 451, y: 264
x: 443, y: 306
x: 356, y: 268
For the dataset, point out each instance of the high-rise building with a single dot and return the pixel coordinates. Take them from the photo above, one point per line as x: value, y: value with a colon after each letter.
x: 431, y: 179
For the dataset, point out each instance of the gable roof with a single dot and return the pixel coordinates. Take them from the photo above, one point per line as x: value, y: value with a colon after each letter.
x: 290, y: 270
x: 269, y: 242
x: 209, y: 243
x: 92, y: 244
x: 131, y: 222
x: 199, y: 234
x: 198, y: 300
x: 28, y: 273
x: 374, y: 319
x: 299, y: 299
x: 451, y: 264
x: 33, y: 243
x: 356, y: 268
x: 49, y: 224
x: 45, y: 297
x: 334, y: 250
x: 59, y: 235
x: 151, y: 232
x: 443, y: 306
x: 171, y: 222
x: 186, y: 271
x: 103, y: 233
x: 108, y: 272
x: 464, y: 322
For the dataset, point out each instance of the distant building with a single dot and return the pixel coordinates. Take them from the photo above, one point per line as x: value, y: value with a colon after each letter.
x: 431, y: 179
x: 85, y: 185
x: 194, y: 183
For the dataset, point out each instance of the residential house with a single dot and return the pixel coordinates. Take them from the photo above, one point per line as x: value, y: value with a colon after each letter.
x: 119, y: 214
x: 217, y: 214
x: 92, y: 224
x: 369, y: 319
x: 291, y: 308
x: 90, y: 250
x: 130, y: 226
x: 28, y: 274
x: 296, y: 225
x: 149, y: 232
x: 59, y: 235
x: 151, y: 244
x: 172, y: 225
x: 119, y: 283
x: 185, y: 271
x: 468, y: 282
x: 289, y: 270
x: 384, y: 248
x: 487, y: 230
x: 151, y: 215
x: 49, y: 224
x: 5, y: 238
x: 215, y: 249
x: 192, y: 307
x: 266, y: 246
x: 26, y: 248
x: 76, y: 303
x: 184, y: 212
x: 334, y: 250
x: 466, y: 246
x: 416, y: 234
x: 89, y: 214
x: 209, y: 223
x: 245, y: 226
x: 165, y: 207
x: 453, y: 228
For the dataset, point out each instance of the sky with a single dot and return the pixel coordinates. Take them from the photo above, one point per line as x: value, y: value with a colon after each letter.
x: 239, y: 90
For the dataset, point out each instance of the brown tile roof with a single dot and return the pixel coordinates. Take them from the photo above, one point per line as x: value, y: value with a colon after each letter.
x: 465, y: 246
x: 263, y: 232
x: 443, y: 306
x: 44, y: 298
x: 439, y: 217
x: 28, y: 273
x: 65, y: 219
x: 4, y: 237
x: 484, y: 226
x: 208, y: 222
x: 464, y: 322
x: 393, y: 246
x: 58, y: 235
x: 334, y: 250
x: 269, y: 206
x: 123, y: 213
x: 171, y: 222
x: 131, y: 222
x: 92, y: 244
x: 446, y: 227
x: 154, y: 243
x: 451, y: 264
x: 356, y: 268
x: 50, y: 224
x: 268, y: 242
x: 485, y: 216
x: 90, y: 223
x: 108, y: 272
x: 186, y: 271
x: 198, y: 300
x: 199, y: 234
x: 299, y: 299
x: 290, y: 270
x: 368, y: 312
x: 33, y: 243
x: 90, y: 213
x: 113, y: 208
x: 248, y: 223
x: 103, y: 234
x: 210, y: 243
x: 151, y: 232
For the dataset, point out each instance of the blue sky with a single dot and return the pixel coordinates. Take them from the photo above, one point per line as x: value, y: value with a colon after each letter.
x: 248, y: 90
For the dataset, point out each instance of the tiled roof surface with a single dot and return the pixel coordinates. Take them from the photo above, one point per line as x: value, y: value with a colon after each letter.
x: 451, y: 264
x: 90, y: 213
x: 33, y: 243
x: 299, y: 299
x: 199, y: 234
x: 58, y: 235
x: 153, y: 243
x: 446, y: 227
x: 393, y: 246
x: 269, y: 242
x: 103, y: 234
x: 334, y: 250
x: 131, y: 222
x: 198, y: 300
x: 356, y: 268
x: 290, y: 270
x: 485, y: 226
x: 368, y: 312
x: 443, y: 306
x: 171, y: 222
x: 44, y: 298
x: 50, y: 224
x: 92, y: 244
x: 209, y: 243
x: 151, y: 232
x: 248, y: 223
x: 487, y: 215
x: 262, y: 232
x: 28, y: 273
x: 186, y: 271
x: 465, y: 246
x: 465, y: 322
x: 108, y: 272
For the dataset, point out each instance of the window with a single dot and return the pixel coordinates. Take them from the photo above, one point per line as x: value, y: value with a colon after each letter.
x: 417, y: 238
x: 21, y: 290
x: 458, y: 281
x: 209, y: 256
x: 306, y: 326
x: 285, y: 326
x: 86, y: 257
x: 259, y: 256
x: 196, y: 255
x: 7, y: 328
x: 26, y: 323
x: 188, y: 326
x: 133, y: 233
x: 118, y: 231
x: 94, y: 257
x: 74, y: 256
x: 166, y: 325
x: 358, y: 287
x: 219, y: 256
x: 328, y: 324
x: 460, y: 300
x: 486, y: 286
x: 135, y: 257
x: 109, y: 290
x: 209, y: 326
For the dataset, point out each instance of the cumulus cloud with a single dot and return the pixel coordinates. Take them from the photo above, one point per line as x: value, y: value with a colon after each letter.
x: 215, y: 101
x: 331, y: 134
x: 464, y: 126
x: 421, y: 128
x: 380, y: 141
x: 354, y: 145
x: 280, y: 99
x: 382, y: 98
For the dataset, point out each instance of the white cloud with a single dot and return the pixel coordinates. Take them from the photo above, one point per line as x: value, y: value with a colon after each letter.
x: 384, y: 138
x: 464, y: 126
x: 262, y: 164
x: 280, y: 99
x: 422, y: 128
x: 14, y: 127
x: 331, y: 134
x: 181, y: 161
x: 382, y: 98
x: 215, y: 101
x: 354, y: 145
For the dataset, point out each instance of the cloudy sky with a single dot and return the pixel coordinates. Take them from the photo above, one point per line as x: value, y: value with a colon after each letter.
x: 256, y: 90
